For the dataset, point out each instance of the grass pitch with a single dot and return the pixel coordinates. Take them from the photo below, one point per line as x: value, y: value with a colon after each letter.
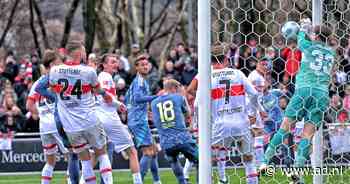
x: 167, y: 177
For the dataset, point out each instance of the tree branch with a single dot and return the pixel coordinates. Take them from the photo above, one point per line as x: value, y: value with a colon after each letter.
x: 89, y: 22
x: 68, y: 22
x: 160, y: 25
x: 163, y: 11
x: 42, y: 25
x: 171, y: 37
x: 9, y: 23
x: 35, y: 36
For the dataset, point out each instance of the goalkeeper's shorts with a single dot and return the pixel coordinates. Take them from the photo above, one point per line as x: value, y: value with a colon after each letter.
x: 308, y: 103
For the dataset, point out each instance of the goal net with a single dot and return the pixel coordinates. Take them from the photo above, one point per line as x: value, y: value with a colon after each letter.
x: 252, y: 28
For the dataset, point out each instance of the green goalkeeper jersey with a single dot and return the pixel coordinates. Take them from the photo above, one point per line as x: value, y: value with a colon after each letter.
x: 316, y: 64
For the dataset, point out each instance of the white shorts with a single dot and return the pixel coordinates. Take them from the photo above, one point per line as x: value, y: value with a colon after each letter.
x: 244, y: 142
x: 50, y: 142
x: 118, y: 133
x: 93, y: 137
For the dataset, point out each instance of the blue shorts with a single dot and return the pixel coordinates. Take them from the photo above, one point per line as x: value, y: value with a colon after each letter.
x: 141, y: 134
x: 189, y: 150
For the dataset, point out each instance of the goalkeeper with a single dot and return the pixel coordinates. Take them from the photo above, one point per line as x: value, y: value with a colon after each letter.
x: 310, y: 99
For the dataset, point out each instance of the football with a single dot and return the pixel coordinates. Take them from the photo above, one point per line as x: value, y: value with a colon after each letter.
x: 290, y: 30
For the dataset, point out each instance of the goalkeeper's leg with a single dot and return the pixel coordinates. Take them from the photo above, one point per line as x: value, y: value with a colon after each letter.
x: 305, y: 144
x: 276, y: 140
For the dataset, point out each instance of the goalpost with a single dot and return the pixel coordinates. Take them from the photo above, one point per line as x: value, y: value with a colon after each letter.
x: 204, y: 86
x: 317, y: 146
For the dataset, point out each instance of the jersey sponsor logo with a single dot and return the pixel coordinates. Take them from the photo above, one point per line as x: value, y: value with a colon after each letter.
x: 230, y: 111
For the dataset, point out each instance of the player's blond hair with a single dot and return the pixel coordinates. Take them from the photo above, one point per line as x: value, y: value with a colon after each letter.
x: 171, y: 83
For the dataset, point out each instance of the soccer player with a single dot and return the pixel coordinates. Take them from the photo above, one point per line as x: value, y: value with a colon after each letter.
x: 41, y: 88
x: 257, y: 78
x: 117, y: 132
x: 73, y: 84
x: 310, y: 99
x: 230, y: 88
x: 168, y: 112
x: 137, y: 99
x: 37, y: 104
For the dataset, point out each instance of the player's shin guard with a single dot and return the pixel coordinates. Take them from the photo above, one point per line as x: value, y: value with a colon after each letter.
x: 259, y: 149
x: 154, y: 169
x: 221, y: 161
x: 144, y: 165
x: 73, y: 168
x: 178, y: 172
x: 303, y: 152
x: 88, y: 172
x: 187, y: 168
x: 105, y: 169
x: 275, y: 141
x: 46, y: 174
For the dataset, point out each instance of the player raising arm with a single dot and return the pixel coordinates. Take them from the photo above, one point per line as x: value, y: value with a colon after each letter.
x: 310, y: 99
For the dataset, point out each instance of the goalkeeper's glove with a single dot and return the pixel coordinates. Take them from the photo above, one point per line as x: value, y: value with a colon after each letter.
x: 306, y: 25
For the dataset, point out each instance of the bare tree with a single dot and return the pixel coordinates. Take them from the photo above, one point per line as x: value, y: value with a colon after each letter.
x: 160, y: 19
x: 89, y: 21
x: 106, y: 24
x: 41, y: 24
x: 171, y: 36
x: 9, y: 23
x: 68, y: 22
x: 32, y: 27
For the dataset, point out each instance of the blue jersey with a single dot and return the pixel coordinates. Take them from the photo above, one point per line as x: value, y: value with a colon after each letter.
x: 270, y: 103
x: 168, y: 116
x: 136, y: 100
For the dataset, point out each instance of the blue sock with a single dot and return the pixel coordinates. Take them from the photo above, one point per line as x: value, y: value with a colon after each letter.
x: 73, y: 168
x: 144, y: 165
x: 178, y: 171
x: 154, y: 168
x: 110, y: 149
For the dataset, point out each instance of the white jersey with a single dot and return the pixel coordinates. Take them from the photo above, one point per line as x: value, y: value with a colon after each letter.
x: 75, y: 101
x: 110, y: 110
x: 229, y: 90
x: 258, y: 81
x: 45, y: 109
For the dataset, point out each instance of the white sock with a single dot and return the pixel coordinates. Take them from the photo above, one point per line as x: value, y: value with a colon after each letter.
x: 136, y: 177
x: 68, y: 179
x: 88, y: 172
x: 187, y: 168
x: 82, y: 181
x: 46, y: 174
x: 250, y: 172
x: 259, y: 149
x: 105, y: 169
x: 157, y: 182
x: 222, y: 165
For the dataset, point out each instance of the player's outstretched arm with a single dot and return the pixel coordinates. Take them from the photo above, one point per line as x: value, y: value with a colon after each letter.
x: 43, y: 88
x: 305, y: 29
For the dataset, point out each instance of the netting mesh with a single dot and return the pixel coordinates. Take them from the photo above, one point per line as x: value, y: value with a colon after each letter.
x: 253, y: 30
